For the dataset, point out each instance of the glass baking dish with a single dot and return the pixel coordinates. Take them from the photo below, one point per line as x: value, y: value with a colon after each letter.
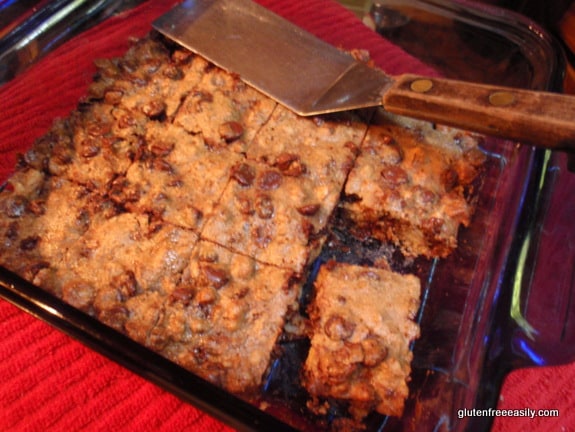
x: 472, y: 313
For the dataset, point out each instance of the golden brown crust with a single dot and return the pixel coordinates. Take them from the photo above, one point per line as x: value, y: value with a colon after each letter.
x: 272, y: 217
x: 175, y: 177
x: 148, y: 82
x: 361, y: 329
x: 224, y: 110
x: 234, y: 309
x: 279, y: 201
x: 106, y: 209
x: 410, y: 185
x: 220, y: 321
x: 121, y: 258
x: 42, y: 217
x: 322, y: 148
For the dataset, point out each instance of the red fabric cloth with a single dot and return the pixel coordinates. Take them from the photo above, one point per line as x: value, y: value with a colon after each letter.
x: 51, y: 382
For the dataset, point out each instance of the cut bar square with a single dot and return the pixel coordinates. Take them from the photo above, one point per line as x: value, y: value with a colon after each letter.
x: 361, y: 330
x: 412, y: 185
x: 222, y: 321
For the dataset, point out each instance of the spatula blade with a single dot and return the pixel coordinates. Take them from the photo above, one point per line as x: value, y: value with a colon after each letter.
x: 281, y: 60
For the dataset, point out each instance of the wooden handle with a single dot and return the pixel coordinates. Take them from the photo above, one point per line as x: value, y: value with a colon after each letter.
x: 531, y: 117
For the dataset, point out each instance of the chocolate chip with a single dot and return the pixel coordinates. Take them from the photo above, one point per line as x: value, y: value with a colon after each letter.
x: 307, y: 228
x: 29, y: 243
x: 308, y: 209
x: 126, y: 284
x: 182, y: 295
x: 172, y: 72
x: 216, y: 276
x: 284, y: 160
x: 244, y: 205
x: 202, y: 97
x: 374, y: 352
x: 122, y: 191
x: 244, y: 174
x: 161, y: 165
x: 262, y: 237
x: 433, y: 225
x: 270, y: 180
x: 394, y: 175
x: 126, y: 121
x: 12, y: 231
x: 424, y: 195
x: 338, y: 328
x: 89, y: 148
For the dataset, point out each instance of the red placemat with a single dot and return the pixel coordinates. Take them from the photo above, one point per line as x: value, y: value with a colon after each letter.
x: 51, y: 382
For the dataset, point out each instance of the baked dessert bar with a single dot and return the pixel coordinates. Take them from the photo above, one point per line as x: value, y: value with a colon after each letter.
x: 106, y: 210
x: 412, y: 184
x: 42, y: 216
x: 223, y: 319
x: 176, y: 176
x: 224, y: 110
x: 120, y: 259
x: 281, y: 197
x: 322, y: 148
x: 361, y: 329
x: 84, y: 148
x: 148, y: 82
x: 274, y: 218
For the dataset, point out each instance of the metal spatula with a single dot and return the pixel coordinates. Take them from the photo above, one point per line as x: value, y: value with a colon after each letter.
x: 311, y: 77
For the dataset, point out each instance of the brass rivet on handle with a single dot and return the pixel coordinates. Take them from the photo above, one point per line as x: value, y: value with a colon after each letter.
x: 501, y: 98
x: 421, y: 85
